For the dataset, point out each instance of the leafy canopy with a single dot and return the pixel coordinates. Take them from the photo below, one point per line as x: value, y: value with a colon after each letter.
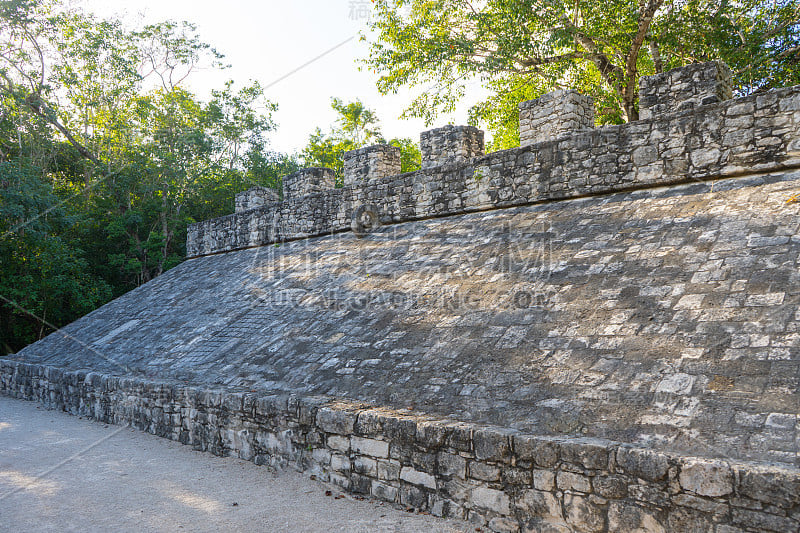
x: 106, y: 156
x: 520, y: 49
x: 356, y: 126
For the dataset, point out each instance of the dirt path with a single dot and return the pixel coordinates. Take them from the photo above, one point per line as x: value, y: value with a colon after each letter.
x: 62, y: 473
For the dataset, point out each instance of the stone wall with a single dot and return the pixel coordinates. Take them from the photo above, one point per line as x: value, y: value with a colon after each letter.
x: 450, y: 144
x: 307, y: 181
x: 370, y: 163
x: 256, y: 197
x: 735, y: 137
x: 490, y: 476
x: 555, y: 115
x: 684, y: 88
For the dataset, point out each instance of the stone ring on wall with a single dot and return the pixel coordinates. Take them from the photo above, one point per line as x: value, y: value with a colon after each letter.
x: 365, y: 219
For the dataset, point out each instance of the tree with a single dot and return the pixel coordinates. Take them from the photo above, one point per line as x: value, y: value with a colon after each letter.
x: 355, y: 127
x: 106, y: 157
x: 521, y: 49
x: 47, y: 280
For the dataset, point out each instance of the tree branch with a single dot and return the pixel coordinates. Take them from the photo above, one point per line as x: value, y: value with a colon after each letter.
x: 646, y: 14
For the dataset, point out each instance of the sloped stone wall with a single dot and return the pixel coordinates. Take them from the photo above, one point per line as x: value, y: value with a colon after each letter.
x: 490, y: 476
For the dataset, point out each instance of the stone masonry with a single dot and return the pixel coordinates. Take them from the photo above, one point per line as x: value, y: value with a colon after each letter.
x: 450, y: 144
x: 370, y: 163
x: 256, y: 197
x: 307, y: 181
x: 756, y: 133
x: 595, y: 332
x: 684, y: 89
x: 554, y: 115
x: 494, y: 477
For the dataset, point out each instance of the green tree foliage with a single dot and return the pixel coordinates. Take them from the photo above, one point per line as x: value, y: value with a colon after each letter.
x: 356, y: 126
x: 106, y: 157
x: 46, y: 279
x: 521, y: 49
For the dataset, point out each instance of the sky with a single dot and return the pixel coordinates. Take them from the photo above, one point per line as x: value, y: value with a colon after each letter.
x: 267, y: 40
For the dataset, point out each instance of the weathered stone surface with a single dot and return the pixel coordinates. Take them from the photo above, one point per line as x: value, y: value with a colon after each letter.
x: 418, y: 478
x: 256, y: 197
x: 339, y: 443
x: 452, y: 465
x: 491, y: 499
x: 539, y: 503
x: 450, y: 144
x: 686, y: 88
x: 588, y: 453
x: 492, y: 445
x: 582, y: 514
x: 307, y: 181
x: 303, y: 317
x: 336, y: 421
x: 667, y: 148
x: 372, y: 447
x: 645, y: 464
x: 556, y: 114
x: 370, y: 163
x: 239, y: 421
x: 706, y: 478
x: 633, y: 519
x: 544, y: 480
x: 540, y: 451
x: 572, y: 481
x: 483, y: 471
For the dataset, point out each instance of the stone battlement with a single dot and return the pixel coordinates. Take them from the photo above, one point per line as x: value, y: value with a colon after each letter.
x: 690, y: 131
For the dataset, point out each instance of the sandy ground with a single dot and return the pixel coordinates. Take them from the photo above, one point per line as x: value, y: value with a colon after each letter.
x: 63, y: 473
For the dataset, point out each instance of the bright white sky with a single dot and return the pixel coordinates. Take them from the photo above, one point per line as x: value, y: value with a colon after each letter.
x: 265, y: 40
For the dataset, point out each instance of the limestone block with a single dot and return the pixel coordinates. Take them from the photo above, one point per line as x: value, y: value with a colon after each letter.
x: 572, y: 481
x: 415, y: 477
x: 646, y: 464
x: 371, y: 447
x: 706, y: 478
x: 492, y: 445
x: 336, y: 421
x: 491, y: 499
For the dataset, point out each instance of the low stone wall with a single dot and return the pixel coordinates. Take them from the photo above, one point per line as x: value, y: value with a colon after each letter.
x: 742, y: 136
x: 490, y: 476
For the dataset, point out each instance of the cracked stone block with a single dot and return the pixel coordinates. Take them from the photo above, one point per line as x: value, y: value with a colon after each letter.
x: 706, y: 478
